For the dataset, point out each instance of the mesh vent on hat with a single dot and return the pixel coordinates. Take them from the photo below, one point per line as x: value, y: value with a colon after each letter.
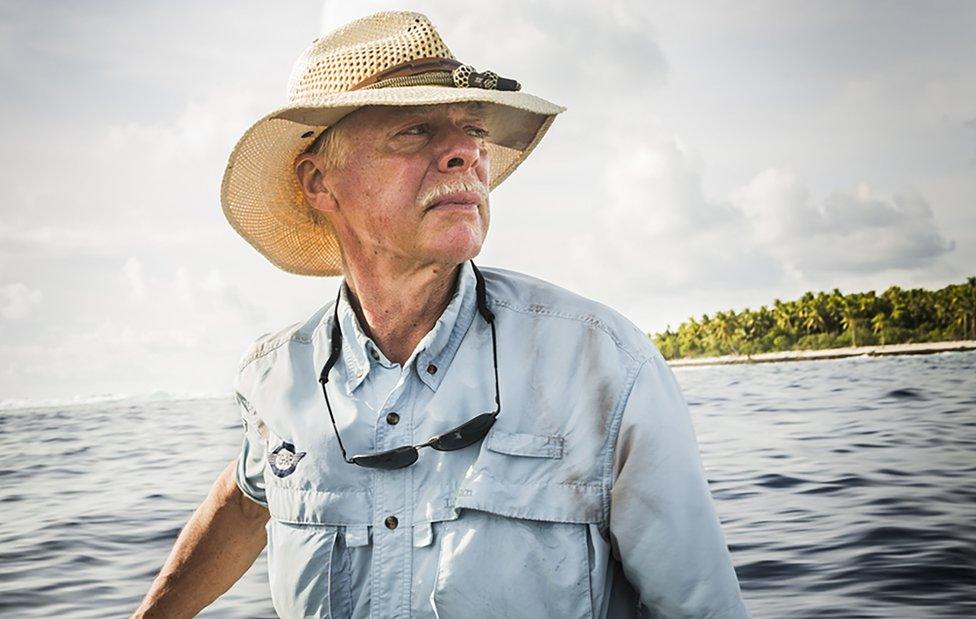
x: 337, y: 62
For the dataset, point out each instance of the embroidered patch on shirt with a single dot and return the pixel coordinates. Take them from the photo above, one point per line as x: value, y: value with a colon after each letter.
x: 283, y: 459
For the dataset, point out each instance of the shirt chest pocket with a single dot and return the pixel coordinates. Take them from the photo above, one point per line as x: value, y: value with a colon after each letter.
x: 520, y: 546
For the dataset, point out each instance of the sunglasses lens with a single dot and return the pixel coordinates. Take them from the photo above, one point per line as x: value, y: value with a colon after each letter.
x: 465, y: 434
x: 388, y: 460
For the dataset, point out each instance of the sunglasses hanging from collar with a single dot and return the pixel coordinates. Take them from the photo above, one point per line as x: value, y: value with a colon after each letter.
x: 467, y: 433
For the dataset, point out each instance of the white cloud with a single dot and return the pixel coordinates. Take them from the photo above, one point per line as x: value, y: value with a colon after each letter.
x: 133, y: 275
x: 17, y: 300
x: 213, y: 293
x: 56, y: 239
x: 852, y: 231
x: 155, y: 299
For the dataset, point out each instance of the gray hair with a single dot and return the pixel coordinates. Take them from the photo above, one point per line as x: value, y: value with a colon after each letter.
x: 331, y: 146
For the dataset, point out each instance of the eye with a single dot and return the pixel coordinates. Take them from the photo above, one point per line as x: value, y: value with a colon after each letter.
x: 420, y: 129
x: 478, y: 132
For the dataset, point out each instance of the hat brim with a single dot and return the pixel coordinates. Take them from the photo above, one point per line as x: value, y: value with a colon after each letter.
x: 262, y: 200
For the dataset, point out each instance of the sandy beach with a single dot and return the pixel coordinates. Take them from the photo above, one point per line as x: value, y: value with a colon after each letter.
x: 831, y: 353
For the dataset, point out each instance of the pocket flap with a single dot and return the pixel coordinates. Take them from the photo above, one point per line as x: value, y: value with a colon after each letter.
x: 295, y: 506
x: 531, y: 445
x: 552, y: 502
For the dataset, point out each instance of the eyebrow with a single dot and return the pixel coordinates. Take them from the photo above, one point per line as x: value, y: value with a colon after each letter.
x: 478, y: 109
x: 476, y: 105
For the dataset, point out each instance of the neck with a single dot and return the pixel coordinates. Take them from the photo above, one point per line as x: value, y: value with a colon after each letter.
x: 398, y: 305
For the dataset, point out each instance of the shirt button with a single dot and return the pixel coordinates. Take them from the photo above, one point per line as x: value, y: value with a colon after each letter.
x: 431, y: 369
x: 375, y: 355
x: 391, y: 522
x: 392, y: 419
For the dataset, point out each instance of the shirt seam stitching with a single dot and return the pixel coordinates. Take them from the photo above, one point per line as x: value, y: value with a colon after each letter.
x: 262, y: 350
x: 585, y: 319
x: 613, y: 434
x: 297, y: 336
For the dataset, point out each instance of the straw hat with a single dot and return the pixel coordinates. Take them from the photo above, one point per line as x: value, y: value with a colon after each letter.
x: 384, y: 59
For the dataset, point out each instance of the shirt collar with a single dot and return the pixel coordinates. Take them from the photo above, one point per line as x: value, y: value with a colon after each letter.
x: 433, y: 354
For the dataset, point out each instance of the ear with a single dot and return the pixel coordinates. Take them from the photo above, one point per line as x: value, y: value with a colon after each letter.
x: 311, y: 178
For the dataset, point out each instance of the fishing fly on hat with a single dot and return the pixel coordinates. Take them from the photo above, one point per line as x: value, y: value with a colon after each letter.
x: 392, y: 58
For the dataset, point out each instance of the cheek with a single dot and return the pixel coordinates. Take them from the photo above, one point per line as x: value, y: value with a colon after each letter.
x: 484, y: 168
x: 394, y: 183
x: 380, y: 205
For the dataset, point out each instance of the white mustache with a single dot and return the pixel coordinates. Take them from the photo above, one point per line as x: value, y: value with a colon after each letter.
x: 435, y: 193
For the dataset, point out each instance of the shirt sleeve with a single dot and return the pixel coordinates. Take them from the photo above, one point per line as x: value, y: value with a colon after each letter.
x: 663, y: 525
x: 253, y: 457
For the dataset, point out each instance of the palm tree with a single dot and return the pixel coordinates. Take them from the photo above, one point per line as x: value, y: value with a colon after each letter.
x: 849, y: 319
x: 785, y: 319
x: 878, y: 324
x: 812, y: 313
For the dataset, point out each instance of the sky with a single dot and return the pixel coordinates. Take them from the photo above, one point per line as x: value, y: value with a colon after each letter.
x: 714, y: 155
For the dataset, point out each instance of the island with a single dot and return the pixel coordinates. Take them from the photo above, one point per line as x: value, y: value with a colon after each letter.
x: 831, y: 324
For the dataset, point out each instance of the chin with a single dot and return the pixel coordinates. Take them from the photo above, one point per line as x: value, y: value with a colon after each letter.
x: 457, y: 245
x: 454, y: 254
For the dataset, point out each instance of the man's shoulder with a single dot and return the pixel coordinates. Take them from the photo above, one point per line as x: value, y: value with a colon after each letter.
x: 300, y: 332
x: 533, y: 297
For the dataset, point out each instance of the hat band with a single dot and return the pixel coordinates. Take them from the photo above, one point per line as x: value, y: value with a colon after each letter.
x: 436, y: 72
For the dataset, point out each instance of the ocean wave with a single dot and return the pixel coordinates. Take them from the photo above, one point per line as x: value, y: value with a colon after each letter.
x: 11, y: 404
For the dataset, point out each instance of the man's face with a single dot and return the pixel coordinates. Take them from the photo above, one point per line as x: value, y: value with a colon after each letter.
x: 412, y: 184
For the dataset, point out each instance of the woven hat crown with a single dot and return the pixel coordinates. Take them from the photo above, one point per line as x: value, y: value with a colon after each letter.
x: 347, y: 56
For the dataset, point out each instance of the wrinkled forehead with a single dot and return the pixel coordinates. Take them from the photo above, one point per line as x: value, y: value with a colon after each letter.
x: 373, y: 114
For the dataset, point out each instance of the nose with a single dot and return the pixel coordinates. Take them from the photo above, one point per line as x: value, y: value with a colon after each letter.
x: 461, y: 152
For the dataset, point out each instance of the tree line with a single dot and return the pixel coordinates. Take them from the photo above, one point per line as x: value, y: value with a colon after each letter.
x: 822, y: 320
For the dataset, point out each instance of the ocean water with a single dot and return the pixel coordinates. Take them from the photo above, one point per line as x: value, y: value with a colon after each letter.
x: 846, y: 488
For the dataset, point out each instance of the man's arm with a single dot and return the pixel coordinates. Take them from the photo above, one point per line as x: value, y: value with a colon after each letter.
x: 219, y: 543
x: 663, y: 525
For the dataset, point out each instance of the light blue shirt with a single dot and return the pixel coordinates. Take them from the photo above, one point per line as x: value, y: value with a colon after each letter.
x: 586, y: 499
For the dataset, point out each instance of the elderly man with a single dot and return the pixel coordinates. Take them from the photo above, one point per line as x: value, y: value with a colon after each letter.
x: 439, y: 441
